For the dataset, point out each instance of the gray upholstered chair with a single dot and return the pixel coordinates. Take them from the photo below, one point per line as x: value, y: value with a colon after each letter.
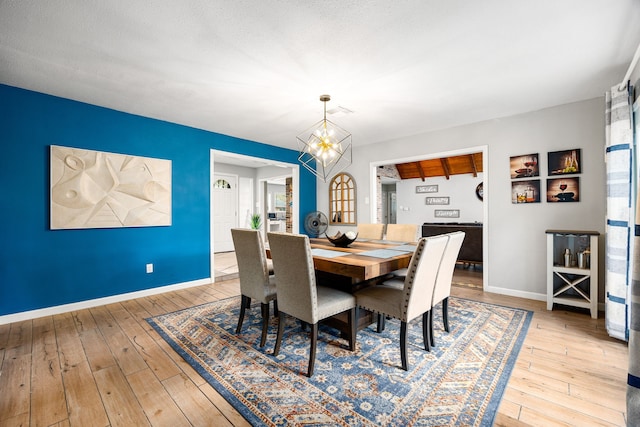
x: 255, y: 280
x: 408, y: 299
x: 402, y: 232
x: 442, y: 289
x: 371, y: 231
x: 298, y: 294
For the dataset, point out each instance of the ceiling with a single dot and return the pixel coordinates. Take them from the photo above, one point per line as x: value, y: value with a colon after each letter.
x: 256, y: 69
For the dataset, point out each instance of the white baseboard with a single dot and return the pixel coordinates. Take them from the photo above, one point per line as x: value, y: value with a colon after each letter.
x: 527, y: 295
x: 513, y: 293
x: 65, y: 308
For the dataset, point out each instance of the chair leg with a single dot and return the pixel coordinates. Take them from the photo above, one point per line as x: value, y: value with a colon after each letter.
x: 312, y: 350
x: 265, y: 323
x: 432, y: 334
x: 426, y: 330
x: 275, y: 308
x: 381, y: 323
x: 244, y: 303
x: 276, y: 350
x: 445, y: 313
x: 353, y: 325
x: 403, y: 345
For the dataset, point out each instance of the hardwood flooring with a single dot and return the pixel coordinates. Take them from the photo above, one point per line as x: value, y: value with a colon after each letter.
x: 106, y: 367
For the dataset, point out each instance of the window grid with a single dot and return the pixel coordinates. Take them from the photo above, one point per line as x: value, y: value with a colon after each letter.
x: 342, y: 199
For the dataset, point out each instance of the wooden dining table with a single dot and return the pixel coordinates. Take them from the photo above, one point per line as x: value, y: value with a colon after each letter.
x: 362, y: 260
x: 363, y: 263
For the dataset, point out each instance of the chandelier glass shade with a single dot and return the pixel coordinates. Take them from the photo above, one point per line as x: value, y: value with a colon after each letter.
x: 325, y: 148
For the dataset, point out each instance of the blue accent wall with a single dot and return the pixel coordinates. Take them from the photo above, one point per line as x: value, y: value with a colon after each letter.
x: 40, y: 267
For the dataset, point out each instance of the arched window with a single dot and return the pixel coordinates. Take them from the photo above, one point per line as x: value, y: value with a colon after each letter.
x: 221, y: 183
x: 342, y: 199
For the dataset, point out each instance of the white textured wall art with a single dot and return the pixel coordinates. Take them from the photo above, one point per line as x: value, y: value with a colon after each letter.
x: 94, y: 189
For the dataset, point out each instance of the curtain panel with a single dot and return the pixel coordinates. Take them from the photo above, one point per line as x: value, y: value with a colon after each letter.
x: 622, y: 261
x: 620, y: 214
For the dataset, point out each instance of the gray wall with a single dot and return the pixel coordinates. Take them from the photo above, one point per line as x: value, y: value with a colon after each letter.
x: 515, y: 241
x: 461, y: 190
x: 225, y: 168
x: 635, y: 80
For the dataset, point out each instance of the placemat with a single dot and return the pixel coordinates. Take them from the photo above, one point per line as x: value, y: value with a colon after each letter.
x: 404, y: 248
x: 327, y: 253
x: 381, y: 253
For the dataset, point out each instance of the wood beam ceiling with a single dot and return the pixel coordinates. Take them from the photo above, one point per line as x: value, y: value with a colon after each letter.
x: 445, y: 166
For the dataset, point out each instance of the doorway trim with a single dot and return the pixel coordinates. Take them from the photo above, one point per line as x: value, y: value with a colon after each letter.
x: 251, y: 161
x: 373, y: 194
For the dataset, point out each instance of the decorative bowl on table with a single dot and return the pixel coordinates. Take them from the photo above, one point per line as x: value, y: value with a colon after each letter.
x: 343, y: 240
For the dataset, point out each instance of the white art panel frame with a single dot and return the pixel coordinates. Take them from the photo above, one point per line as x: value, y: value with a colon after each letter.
x: 96, y: 189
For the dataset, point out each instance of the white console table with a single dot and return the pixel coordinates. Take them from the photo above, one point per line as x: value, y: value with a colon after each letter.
x: 572, y: 285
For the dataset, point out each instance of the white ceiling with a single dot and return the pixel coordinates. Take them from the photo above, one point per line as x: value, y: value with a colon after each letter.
x: 255, y: 69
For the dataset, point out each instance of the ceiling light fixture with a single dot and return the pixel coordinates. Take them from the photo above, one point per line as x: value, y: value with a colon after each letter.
x: 325, y: 148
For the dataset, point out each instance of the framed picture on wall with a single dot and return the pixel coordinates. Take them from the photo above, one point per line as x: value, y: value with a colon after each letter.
x: 564, y: 162
x: 427, y: 188
x: 525, y: 191
x: 524, y: 166
x: 280, y: 200
x: 563, y: 190
x: 446, y: 213
x: 437, y: 201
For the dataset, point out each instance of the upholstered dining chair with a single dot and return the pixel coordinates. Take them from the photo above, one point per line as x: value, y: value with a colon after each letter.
x: 371, y: 231
x: 442, y: 289
x: 298, y: 294
x: 255, y: 280
x: 402, y: 232
x: 408, y: 299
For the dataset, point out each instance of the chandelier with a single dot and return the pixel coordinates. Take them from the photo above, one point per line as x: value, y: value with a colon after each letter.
x: 325, y: 148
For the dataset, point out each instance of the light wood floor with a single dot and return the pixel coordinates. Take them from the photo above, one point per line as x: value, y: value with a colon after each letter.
x: 106, y: 367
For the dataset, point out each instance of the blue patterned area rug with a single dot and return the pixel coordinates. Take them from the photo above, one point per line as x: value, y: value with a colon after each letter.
x: 460, y: 382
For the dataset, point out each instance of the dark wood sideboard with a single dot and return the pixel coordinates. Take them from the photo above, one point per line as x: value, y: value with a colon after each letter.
x: 471, y: 251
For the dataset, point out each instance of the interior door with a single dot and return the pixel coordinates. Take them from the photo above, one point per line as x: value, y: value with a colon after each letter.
x: 392, y: 206
x: 225, y: 211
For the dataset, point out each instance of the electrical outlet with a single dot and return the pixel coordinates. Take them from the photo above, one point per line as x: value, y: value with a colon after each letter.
x: 149, y: 268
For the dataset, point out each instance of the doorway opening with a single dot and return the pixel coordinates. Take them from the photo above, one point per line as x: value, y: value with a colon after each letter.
x: 389, y: 205
x: 470, y: 274
x: 250, y: 172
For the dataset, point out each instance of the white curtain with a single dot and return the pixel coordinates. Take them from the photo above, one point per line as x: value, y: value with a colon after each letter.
x: 622, y: 262
x: 620, y: 212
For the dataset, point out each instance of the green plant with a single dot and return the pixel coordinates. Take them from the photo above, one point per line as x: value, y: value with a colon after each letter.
x: 256, y: 221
